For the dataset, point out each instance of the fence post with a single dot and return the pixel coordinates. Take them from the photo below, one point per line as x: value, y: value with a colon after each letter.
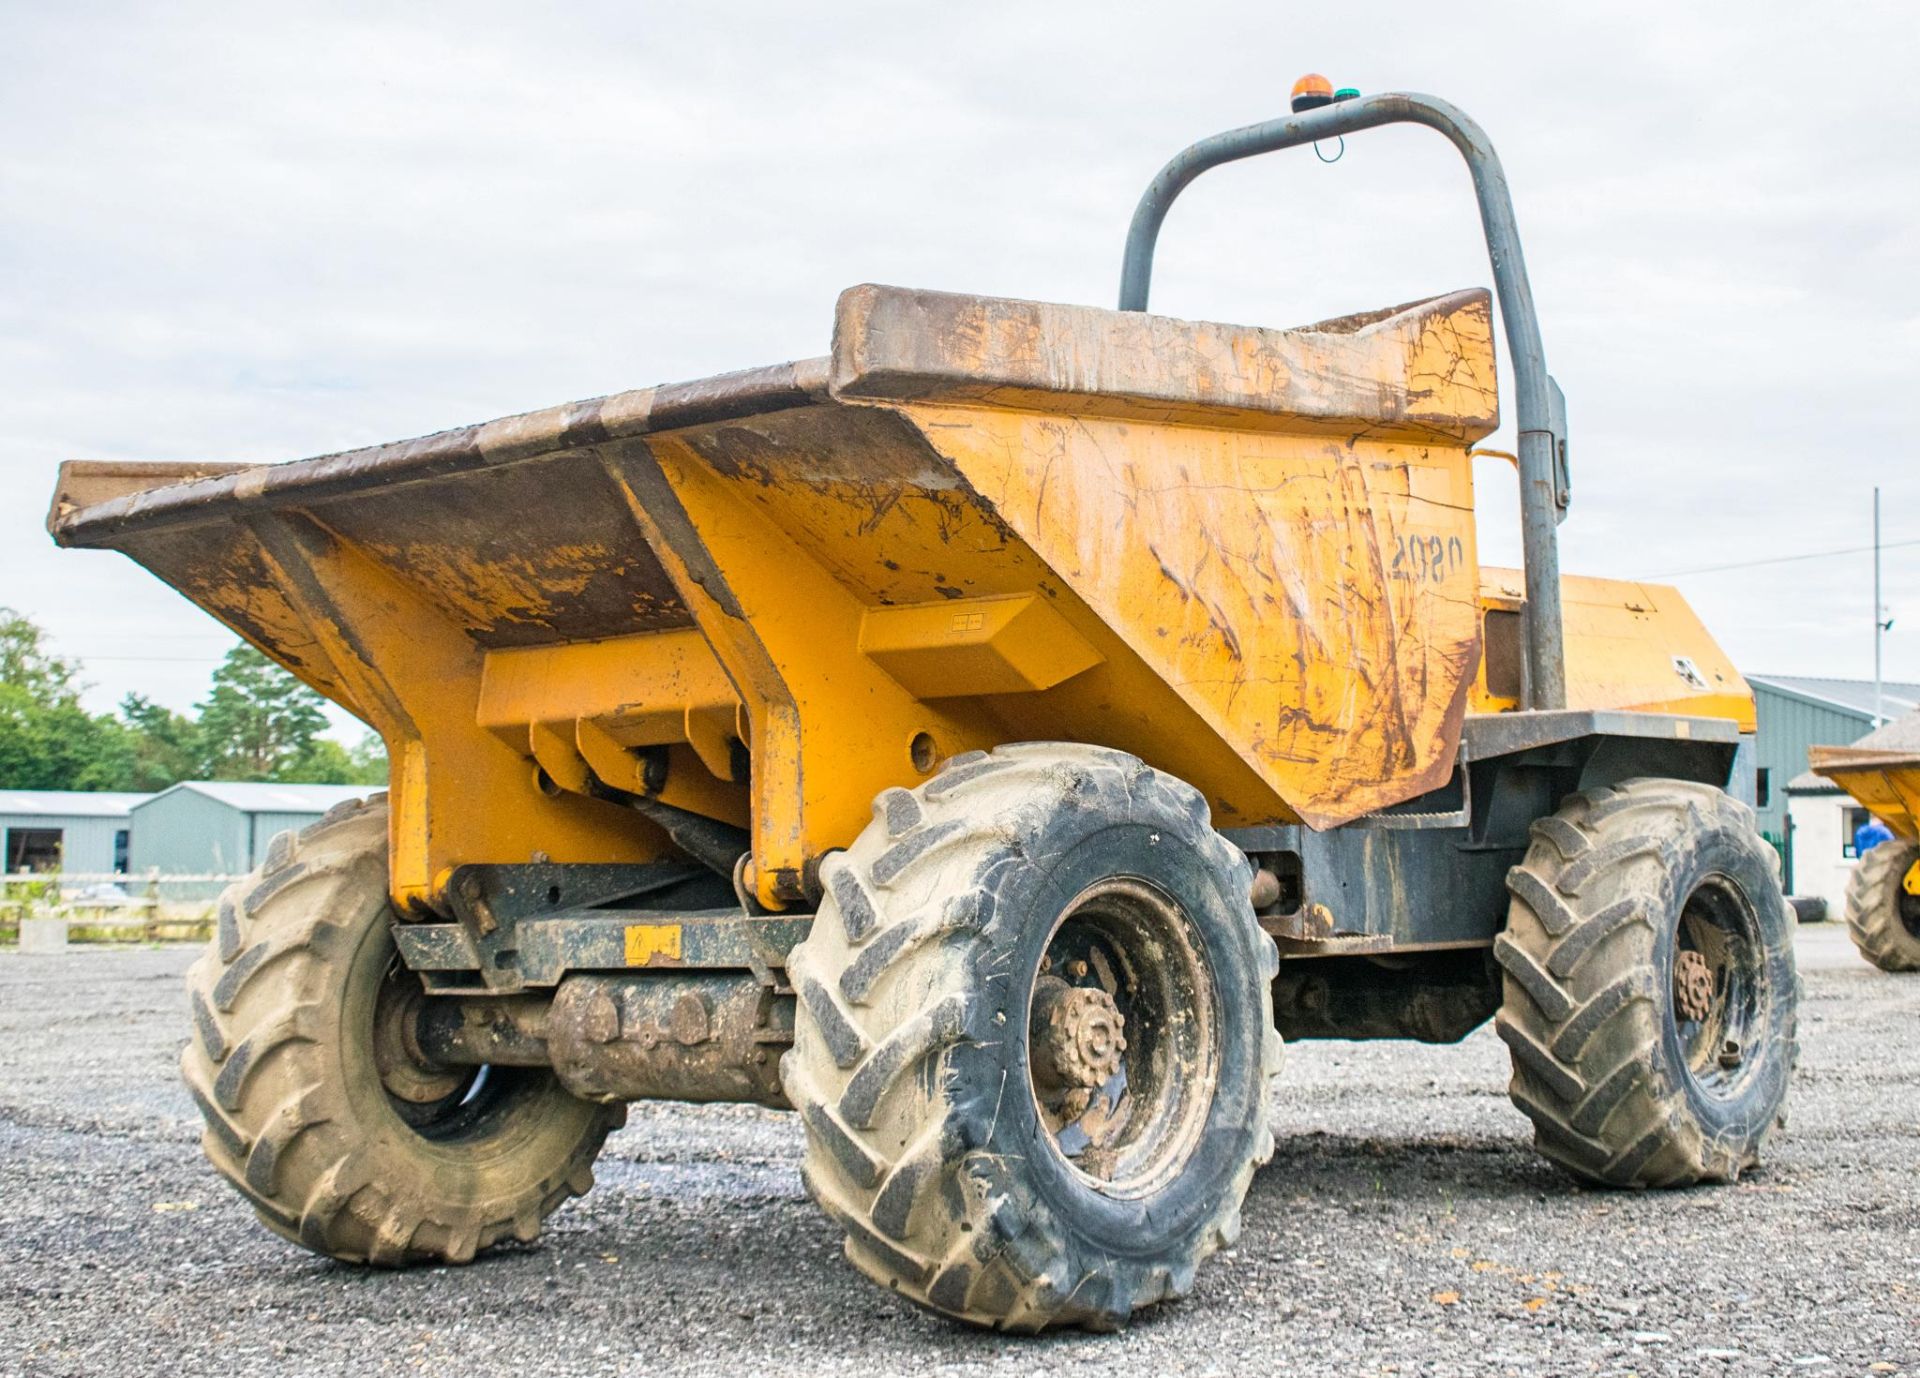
x: 40, y: 932
x: 151, y: 931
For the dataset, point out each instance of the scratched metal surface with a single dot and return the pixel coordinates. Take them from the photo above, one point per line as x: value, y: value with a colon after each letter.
x: 1267, y: 534
x: 1278, y: 523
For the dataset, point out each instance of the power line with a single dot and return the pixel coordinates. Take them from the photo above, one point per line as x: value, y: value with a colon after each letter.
x: 155, y: 636
x: 1782, y: 559
x: 155, y: 660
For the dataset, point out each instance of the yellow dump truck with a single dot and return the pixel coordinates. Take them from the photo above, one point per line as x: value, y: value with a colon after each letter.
x: 991, y: 739
x: 1882, y: 771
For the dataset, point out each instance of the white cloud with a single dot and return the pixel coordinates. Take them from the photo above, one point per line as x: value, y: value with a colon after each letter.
x: 260, y: 232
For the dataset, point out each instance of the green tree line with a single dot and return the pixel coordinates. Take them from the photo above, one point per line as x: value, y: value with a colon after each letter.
x: 257, y: 723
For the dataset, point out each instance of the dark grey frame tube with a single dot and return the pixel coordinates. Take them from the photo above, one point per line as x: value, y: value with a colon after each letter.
x: 1543, y: 486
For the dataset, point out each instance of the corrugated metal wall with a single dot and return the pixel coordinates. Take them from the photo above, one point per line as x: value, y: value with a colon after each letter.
x: 86, y: 844
x: 183, y: 832
x: 267, y: 825
x: 1788, y: 726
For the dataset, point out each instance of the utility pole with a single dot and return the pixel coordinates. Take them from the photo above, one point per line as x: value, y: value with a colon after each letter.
x: 1879, y: 614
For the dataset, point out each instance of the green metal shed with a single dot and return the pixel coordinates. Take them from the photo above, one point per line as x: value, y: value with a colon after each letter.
x: 222, y: 827
x: 81, y: 832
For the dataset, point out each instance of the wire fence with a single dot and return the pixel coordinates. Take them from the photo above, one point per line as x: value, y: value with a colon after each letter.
x: 111, y: 906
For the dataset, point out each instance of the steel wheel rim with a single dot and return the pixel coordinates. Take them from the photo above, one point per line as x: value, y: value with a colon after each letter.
x: 439, y: 1103
x: 1123, y: 946
x: 1720, y: 929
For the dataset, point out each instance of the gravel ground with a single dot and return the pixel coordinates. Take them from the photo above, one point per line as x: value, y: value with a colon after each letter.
x: 1404, y: 1227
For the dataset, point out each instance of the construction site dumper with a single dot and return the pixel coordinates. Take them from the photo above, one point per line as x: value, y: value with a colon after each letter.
x: 991, y: 739
x: 1882, y: 772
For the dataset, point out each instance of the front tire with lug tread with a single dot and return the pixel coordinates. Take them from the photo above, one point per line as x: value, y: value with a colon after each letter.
x: 419, y: 1165
x: 1034, y: 1039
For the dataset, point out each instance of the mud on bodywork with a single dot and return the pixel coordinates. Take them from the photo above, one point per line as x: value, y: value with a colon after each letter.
x: 836, y: 572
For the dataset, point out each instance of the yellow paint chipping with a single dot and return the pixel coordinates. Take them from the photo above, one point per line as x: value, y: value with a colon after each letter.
x: 1246, y: 556
x: 650, y: 942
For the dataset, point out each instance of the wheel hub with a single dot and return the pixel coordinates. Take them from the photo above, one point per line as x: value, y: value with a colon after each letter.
x: 1692, y: 986
x: 1080, y: 1035
x: 1721, y: 987
x: 406, y: 1072
x: 1120, y: 1037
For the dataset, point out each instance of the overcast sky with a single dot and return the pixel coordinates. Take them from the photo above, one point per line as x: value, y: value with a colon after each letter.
x: 260, y: 232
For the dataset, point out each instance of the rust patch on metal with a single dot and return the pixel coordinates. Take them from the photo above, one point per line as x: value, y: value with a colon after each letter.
x: 1692, y: 986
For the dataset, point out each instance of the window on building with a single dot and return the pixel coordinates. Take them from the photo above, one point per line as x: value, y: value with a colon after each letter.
x: 33, y: 849
x: 1852, y: 820
x: 1763, y: 788
x: 122, y: 841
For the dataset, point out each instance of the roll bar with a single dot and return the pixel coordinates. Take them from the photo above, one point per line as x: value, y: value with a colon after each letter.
x: 1544, y: 488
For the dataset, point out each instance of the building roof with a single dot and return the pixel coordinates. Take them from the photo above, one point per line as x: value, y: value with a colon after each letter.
x: 1902, y: 734
x: 68, y: 803
x: 247, y: 796
x: 1806, y: 782
x: 1847, y: 695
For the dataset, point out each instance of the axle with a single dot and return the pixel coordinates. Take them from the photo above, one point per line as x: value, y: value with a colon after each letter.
x: 697, y: 1036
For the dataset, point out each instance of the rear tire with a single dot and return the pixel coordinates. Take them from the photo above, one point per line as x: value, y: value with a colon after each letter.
x: 967, y: 911
x: 1882, y: 917
x: 1647, y: 933
x: 300, y: 1113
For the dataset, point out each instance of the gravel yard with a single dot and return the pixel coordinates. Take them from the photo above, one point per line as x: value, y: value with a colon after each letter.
x: 1404, y: 1227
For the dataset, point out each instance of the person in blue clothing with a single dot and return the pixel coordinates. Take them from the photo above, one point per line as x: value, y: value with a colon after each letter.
x: 1869, y: 835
